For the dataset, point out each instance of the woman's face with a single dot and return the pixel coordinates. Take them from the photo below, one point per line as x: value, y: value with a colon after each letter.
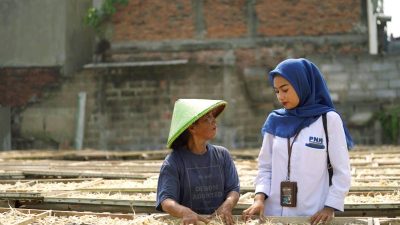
x: 205, y: 127
x: 285, y: 93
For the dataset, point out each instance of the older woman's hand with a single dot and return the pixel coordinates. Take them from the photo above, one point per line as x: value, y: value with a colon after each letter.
x: 193, y: 218
x: 225, y: 210
x: 225, y: 213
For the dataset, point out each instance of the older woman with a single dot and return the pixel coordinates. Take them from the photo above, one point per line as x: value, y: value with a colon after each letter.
x: 197, y: 177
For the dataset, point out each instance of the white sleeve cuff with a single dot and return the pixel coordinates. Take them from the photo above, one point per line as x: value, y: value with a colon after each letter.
x: 337, y: 203
x: 262, y: 188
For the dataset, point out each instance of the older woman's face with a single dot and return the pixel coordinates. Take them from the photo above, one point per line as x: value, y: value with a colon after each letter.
x: 205, y: 127
x: 285, y: 93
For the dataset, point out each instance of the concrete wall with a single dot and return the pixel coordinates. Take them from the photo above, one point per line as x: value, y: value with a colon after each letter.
x: 79, y: 37
x: 42, y: 42
x: 43, y: 33
x: 5, y: 128
x: 51, y: 123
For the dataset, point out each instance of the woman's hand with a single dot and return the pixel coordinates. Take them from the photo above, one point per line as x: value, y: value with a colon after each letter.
x: 325, y: 215
x: 191, y: 217
x: 256, y: 208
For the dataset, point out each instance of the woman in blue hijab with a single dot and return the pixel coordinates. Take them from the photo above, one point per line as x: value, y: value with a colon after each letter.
x: 299, y: 141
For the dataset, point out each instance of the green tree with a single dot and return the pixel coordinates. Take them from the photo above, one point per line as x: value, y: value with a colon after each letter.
x: 97, y: 18
x: 390, y: 120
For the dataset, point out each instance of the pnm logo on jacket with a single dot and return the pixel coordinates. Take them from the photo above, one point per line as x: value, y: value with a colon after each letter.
x: 315, y: 142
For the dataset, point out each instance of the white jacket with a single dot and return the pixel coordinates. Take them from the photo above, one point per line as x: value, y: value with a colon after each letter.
x: 308, y: 168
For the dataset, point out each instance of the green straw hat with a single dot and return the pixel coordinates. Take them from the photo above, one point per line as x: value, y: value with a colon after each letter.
x: 187, y: 111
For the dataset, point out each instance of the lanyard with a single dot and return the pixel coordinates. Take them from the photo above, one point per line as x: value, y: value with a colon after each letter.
x: 289, y: 146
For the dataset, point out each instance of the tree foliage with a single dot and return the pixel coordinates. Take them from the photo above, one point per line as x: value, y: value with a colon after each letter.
x: 96, y: 18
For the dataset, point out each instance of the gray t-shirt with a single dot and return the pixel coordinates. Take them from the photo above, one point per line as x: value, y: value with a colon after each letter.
x: 199, y: 182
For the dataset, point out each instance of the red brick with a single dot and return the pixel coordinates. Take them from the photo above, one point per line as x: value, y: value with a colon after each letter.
x: 154, y: 20
x: 225, y: 19
x: 307, y: 17
x: 167, y: 20
x: 18, y: 86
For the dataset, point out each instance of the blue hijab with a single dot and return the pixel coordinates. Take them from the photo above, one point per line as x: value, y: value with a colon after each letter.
x: 314, y: 98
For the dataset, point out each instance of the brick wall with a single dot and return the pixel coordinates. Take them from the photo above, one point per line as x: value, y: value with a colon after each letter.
x: 182, y: 19
x: 154, y: 20
x: 136, y: 104
x: 225, y: 19
x: 308, y: 17
x: 20, y: 86
x: 229, y: 46
x: 365, y: 86
x: 130, y: 108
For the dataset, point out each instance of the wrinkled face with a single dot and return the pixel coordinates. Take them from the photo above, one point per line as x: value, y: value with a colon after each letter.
x: 285, y: 93
x: 205, y: 127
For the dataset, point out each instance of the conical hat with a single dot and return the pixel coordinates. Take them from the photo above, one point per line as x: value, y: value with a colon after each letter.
x: 187, y: 111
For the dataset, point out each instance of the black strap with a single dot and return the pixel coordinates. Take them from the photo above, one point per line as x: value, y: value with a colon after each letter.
x: 289, y: 147
x: 330, y: 169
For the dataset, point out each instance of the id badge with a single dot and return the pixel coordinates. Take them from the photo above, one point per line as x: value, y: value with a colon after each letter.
x: 288, y: 193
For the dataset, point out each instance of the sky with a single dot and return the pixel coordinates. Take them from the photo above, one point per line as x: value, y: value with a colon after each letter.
x: 392, y: 8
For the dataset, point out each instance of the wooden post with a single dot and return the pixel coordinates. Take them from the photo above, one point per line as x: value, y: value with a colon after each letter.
x: 5, y: 128
x: 377, y: 132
